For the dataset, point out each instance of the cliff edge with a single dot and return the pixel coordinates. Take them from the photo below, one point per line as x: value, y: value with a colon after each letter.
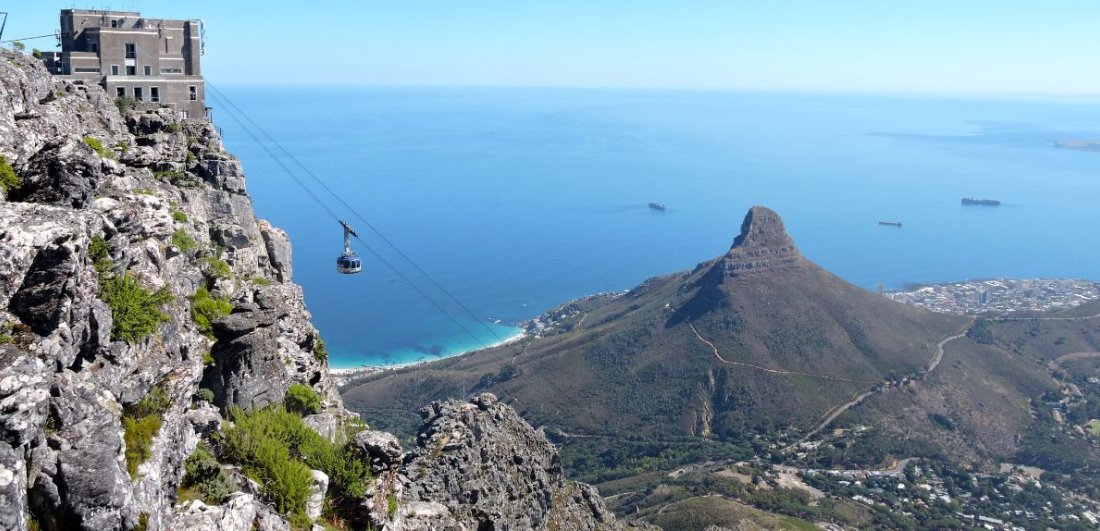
x: 151, y: 337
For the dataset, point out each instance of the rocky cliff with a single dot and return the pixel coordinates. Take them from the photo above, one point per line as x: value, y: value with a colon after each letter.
x: 143, y: 308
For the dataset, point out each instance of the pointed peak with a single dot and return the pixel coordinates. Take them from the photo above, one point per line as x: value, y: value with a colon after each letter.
x: 763, y: 245
x: 762, y: 227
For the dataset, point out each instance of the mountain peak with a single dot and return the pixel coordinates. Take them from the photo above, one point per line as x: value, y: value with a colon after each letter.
x: 762, y: 245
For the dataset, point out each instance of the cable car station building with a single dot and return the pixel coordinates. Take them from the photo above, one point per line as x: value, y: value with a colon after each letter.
x: 153, y: 61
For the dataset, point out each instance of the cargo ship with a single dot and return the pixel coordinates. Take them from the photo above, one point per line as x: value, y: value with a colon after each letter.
x: 890, y: 223
x: 980, y: 202
x: 657, y: 206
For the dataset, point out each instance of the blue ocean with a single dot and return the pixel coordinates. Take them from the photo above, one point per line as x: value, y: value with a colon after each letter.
x: 512, y: 201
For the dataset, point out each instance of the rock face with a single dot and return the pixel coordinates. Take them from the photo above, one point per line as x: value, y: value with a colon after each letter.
x: 479, y: 466
x: 156, y: 201
x: 763, y: 245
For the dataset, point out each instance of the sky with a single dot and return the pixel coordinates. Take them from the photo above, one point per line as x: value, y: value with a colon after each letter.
x: 868, y: 46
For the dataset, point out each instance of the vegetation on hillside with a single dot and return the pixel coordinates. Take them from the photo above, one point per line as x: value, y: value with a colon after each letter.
x: 140, y: 422
x: 9, y: 180
x: 277, y: 449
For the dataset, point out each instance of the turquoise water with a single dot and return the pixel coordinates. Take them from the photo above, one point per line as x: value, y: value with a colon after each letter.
x: 517, y: 200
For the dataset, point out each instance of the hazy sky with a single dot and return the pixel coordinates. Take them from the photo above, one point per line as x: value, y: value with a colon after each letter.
x: 956, y: 46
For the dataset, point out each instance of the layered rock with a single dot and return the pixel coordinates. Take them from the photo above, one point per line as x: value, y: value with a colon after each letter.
x: 145, y: 185
x: 151, y: 198
x: 763, y: 245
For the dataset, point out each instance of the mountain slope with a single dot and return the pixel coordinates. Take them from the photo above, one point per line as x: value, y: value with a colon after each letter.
x: 759, y: 340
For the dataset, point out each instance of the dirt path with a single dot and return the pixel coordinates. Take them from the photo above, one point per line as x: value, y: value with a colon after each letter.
x: 766, y: 369
x: 1082, y: 318
x: 1056, y: 363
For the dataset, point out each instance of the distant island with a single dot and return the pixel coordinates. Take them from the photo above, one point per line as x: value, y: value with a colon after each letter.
x: 1078, y: 144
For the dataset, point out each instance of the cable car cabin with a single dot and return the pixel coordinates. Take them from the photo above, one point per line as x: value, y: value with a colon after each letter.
x: 349, y: 265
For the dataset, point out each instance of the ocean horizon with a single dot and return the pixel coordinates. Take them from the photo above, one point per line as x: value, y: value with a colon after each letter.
x: 517, y: 200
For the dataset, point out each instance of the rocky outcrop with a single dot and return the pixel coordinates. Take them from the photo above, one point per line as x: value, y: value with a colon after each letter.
x: 478, y: 465
x: 108, y: 195
x: 763, y: 245
x: 142, y: 185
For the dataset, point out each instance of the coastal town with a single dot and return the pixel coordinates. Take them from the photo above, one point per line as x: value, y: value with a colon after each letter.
x: 1000, y: 296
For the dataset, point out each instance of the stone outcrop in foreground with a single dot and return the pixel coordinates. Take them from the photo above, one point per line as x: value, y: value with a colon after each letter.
x: 146, y: 197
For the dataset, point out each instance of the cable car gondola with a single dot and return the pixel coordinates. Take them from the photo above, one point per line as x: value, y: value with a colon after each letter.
x: 348, y: 263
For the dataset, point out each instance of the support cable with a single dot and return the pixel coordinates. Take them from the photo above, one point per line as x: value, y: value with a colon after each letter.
x: 355, y: 213
x: 333, y: 214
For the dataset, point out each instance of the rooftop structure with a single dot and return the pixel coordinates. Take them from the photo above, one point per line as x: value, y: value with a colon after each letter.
x: 153, y: 61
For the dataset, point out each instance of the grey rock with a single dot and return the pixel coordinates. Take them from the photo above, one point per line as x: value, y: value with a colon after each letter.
x: 490, y: 468
x: 240, y: 512
x: 24, y: 396
x: 13, y: 488
x: 38, y: 301
x: 277, y: 244
x: 316, y: 502
x: 67, y: 172
x: 383, y: 449
x: 249, y: 370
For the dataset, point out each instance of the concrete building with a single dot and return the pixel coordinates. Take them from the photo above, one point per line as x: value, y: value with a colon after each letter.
x: 153, y: 61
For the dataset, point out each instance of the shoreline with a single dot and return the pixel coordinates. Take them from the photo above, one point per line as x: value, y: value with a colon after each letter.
x: 344, y: 374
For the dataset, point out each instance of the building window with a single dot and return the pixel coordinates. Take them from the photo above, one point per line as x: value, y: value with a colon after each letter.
x: 131, y: 51
x: 154, y: 94
x: 138, y: 95
x: 120, y: 92
x: 131, y: 70
x: 193, y: 91
x: 86, y: 70
x: 148, y: 70
x: 114, y: 70
x: 95, y: 47
x: 114, y: 23
x: 171, y: 70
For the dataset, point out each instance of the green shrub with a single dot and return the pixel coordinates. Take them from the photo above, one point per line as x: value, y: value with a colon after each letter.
x: 140, y: 423
x: 302, y: 399
x: 123, y: 146
x: 6, y: 333
x: 179, y: 216
x: 204, y: 394
x: 173, y: 127
x: 260, y: 281
x: 205, y: 309
x: 135, y: 311
x: 144, y: 191
x: 205, y: 474
x: 183, y: 241
x: 97, y: 146
x: 142, y: 523
x: 277, y: 449
x: 125, y: 104
x: 319, y: 350
x: 207, y: 358
x: 216, y: 267
x: 36, y: 53
x: 9, y: 180
x: 190, y: 157
x: 176, y: 178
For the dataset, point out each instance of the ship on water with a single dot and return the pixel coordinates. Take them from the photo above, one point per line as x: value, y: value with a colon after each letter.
x: 657, y: 206
x: 980, y: 202
x: 890, y: 223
